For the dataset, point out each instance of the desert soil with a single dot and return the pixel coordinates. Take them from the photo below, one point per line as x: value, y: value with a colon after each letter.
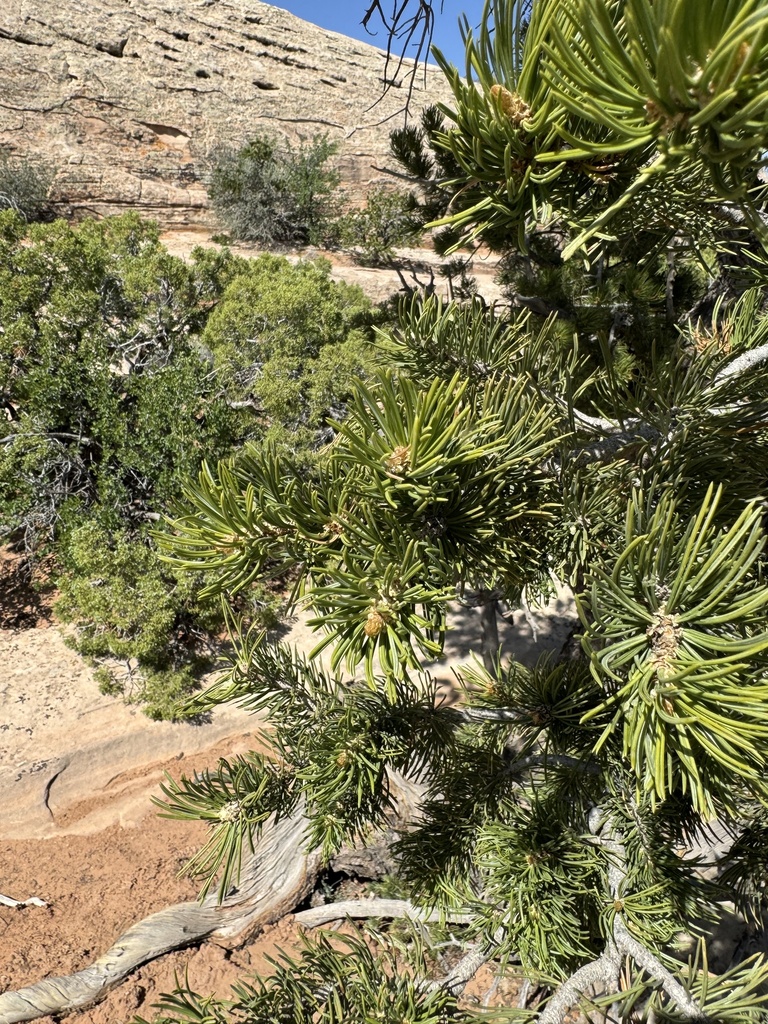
x: 78, y: 770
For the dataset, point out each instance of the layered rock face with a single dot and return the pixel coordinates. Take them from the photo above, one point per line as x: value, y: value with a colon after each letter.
x: 130, y: 99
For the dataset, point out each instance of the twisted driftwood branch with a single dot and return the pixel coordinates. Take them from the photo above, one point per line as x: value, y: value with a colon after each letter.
x: 274, y: 879
x: 316, y: 916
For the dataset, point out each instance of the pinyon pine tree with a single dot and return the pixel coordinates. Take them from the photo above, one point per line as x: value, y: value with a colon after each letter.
x: 560, y: 808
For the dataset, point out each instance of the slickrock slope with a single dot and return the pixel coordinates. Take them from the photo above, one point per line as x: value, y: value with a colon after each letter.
x: 131, y: 98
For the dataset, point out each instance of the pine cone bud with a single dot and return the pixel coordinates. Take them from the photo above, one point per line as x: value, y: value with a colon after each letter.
x: 230, y: 812
x: 398, y: 460
x: 514, y: 106
x: 665, y: 635
x: 375, y: 622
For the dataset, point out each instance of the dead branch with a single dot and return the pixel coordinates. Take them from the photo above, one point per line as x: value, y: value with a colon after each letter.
x: 316, y: 916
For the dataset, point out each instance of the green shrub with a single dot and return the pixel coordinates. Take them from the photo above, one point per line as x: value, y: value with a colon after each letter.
x: 272, y: 193
x: 98, y: 340
x: 25, y: 186
x: 142, y: 624
x: 122, y: 599
x: 130, y: 608
x: 388, y: 221
x: 121, y: 366
x: 287, y: 342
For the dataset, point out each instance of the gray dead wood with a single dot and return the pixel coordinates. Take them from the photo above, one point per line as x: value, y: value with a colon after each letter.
x: 373, y: 907
x: 274, y: 879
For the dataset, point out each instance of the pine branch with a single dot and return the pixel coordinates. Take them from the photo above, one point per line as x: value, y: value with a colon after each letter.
x: 480, y: 716
x: 616, y: 435
x: 733, y: 214
x: 644, y: 958
x: 605, y: 969
x: 742, y: 364
x: 582, y: 419
x: 551, y: 761
x: 464, y: 971
x: 611, y: 445
x: 625, y: 942
x: 401, y: 175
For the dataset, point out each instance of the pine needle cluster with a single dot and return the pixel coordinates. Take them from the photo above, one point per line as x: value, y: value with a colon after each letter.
x: 562, y: 805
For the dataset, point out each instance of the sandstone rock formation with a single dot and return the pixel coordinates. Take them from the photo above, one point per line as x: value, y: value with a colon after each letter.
x: 130, y: 99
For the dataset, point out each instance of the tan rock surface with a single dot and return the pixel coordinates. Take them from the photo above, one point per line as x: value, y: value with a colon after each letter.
x: 73, y: 761
x: 130, y: 99
x: 414, y: 268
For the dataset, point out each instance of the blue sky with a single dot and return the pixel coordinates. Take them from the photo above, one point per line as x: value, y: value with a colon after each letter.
x: 345, y: 16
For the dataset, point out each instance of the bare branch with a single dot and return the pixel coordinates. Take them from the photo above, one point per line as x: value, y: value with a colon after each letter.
x: 552, y: 761
x: 741, y: 364
x: 274, y: 878
x: 644, y: 958
x: 32, y: 901
x: 615, y: 435
x: 624, y: 941
x: 404, y: 27
x: 603, y: 971
x: 464, y: 971
x: 479, y: 716
x: 56, y: 434
x: 316, y: 916
x: 612, y: 444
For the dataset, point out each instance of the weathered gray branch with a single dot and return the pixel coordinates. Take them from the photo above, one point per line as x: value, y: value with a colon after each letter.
x: 464, y: 971
x: 274, y: 879
x: 603, y: 971
x: 612, y: 443
x: 479, y: 716
x: 741, y: 364
x: 32, y: 901
x: 651, y: 964
x: 615, y: 436
x: 316, y: 916
x: 55, y: 434
x: 523, y: 764
x: 627, y: 943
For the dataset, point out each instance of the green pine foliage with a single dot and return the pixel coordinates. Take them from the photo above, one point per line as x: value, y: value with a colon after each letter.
x: 331, y: 981
x: 431, y: 166
x: 566, y: 809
